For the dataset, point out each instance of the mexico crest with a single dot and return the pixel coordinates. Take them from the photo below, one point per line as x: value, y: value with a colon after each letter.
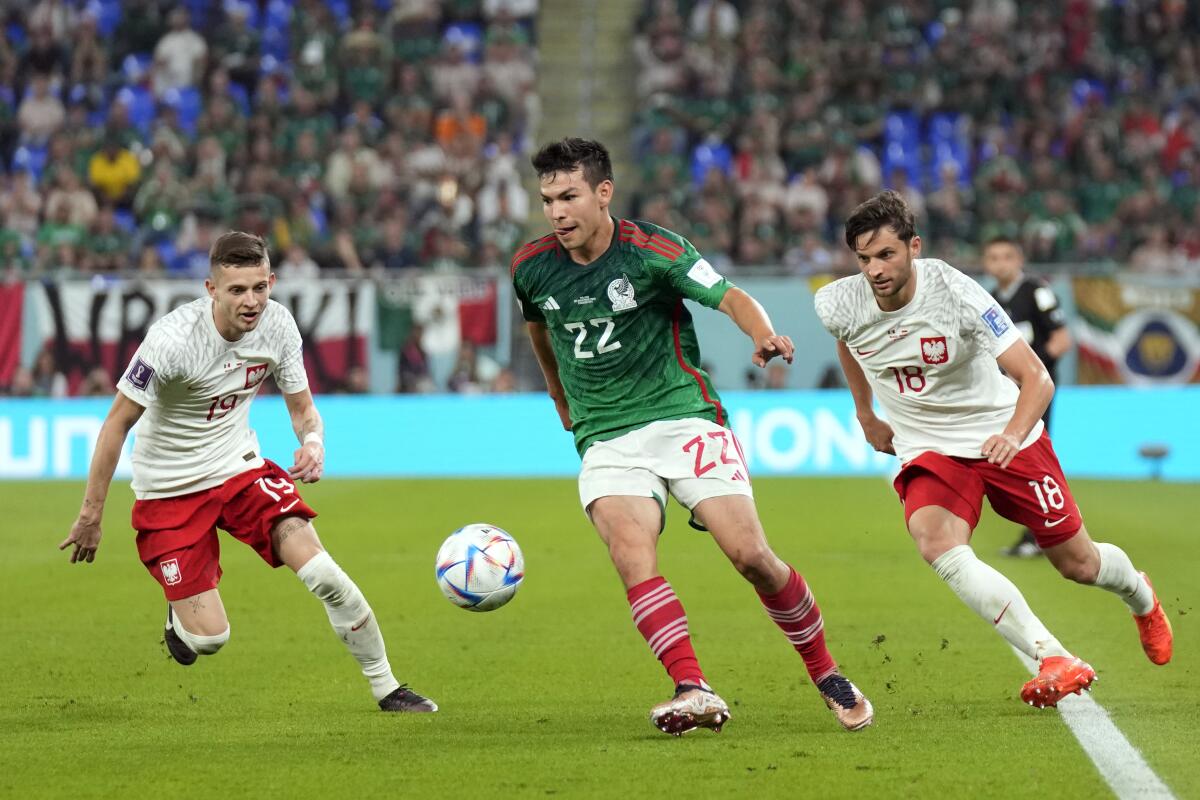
x: 620, y: 293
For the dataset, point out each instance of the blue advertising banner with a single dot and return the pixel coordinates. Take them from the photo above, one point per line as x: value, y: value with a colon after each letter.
x: 1099, y: 432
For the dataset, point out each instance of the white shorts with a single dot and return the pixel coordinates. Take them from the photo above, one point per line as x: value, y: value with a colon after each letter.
x: 692, y: 459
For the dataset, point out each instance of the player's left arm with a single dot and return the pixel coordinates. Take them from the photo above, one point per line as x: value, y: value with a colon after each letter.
x: 1058, y: 340
x: 693, y: 277
x: 1023, y: 366
x: 751, y: 317
x: 309, y: 458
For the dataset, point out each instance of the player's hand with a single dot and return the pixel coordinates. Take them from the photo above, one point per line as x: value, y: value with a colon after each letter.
x: 85, y: 535
x: 879, y: 434
x: 1001, y: 449
x: 770, y: 346
x: 310, y: 463
x: 564, y: 412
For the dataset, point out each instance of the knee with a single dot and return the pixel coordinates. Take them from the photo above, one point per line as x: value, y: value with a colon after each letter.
x: 1081, y: 570
x: 324, y: 578
x: 760, y: 566
x: 933, y: 541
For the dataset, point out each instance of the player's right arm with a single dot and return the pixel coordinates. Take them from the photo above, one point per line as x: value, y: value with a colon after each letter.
x: 539, y: 337
x: 85, y: 533
x: 879, y: 434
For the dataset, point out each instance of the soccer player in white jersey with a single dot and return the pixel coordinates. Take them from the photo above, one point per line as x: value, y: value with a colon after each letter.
x: 197, y: 465
x: 926, y: 340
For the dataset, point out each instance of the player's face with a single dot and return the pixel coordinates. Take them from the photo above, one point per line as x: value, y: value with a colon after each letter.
x: 239, y: 296
x: 887, y: 261
x: 1003, y: 262
x: 576, y: 211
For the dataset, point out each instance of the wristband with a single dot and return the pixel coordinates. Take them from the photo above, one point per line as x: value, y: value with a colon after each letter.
x: 313, y: 436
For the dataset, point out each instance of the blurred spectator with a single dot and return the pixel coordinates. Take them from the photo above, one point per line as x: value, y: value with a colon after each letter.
x: 48, y: 380
x: 414, y: 376
x: 69, y: 191
x: 41, y: 114
x: 296, y: 265
x: 114, y: 171
x: 179, y: 56
x: 21, y: 383
x: 97, y: 383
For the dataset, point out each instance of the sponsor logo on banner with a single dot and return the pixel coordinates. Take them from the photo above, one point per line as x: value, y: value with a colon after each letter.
x: 933, y: 350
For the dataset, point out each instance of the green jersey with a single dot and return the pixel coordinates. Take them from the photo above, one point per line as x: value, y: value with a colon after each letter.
x: 626, y: 349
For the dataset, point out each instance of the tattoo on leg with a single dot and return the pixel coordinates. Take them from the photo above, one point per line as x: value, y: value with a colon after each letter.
x: 286, y: 527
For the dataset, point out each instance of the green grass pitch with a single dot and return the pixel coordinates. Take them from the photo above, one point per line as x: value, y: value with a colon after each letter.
x: 549, y: 695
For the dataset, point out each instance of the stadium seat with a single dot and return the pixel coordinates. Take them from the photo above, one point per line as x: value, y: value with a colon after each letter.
x: 139, y: 100
x: 125, y: 220
x: 240, y: 98
x: 31, y: 158
x: 187, y: 104
x: 107, y: 14
x: 709, y: 155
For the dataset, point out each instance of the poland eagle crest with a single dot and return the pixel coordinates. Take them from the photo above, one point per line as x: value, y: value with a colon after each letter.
x: 933, y: 350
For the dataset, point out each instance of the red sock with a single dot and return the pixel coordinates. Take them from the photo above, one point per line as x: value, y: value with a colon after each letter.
x: 659, y: 616
x: 795, y: 611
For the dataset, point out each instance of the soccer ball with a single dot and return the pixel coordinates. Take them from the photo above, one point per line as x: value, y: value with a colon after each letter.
x: 479, y: 567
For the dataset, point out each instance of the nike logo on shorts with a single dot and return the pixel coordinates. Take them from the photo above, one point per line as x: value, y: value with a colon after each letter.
x: 290, y: 505
x: 865, y: 352
x: 1050, y: 524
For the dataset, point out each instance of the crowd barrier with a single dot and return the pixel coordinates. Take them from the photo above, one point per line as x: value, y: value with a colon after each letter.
x: 1099, y: 432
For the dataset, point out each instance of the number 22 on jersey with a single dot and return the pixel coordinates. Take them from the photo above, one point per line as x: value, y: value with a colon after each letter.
x: 581, y: 331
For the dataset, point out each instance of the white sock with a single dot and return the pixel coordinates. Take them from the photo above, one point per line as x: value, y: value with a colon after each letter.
x: 994, y: 597
x: 1118, y: 576
x: 201, y: 645
x: 352, y: 620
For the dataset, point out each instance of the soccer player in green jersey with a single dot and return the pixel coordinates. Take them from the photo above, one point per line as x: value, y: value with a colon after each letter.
x: 603, y: 305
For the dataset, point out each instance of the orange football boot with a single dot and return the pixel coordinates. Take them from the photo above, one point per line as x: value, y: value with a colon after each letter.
x: 1057, y: 677
x: 1154, y: 629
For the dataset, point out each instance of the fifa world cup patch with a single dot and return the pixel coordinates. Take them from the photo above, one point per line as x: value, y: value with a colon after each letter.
x: 934, y: 350
x: 703, y: 273
x: 170, y: 571
x: 139, y: 373
x: 996, y: 320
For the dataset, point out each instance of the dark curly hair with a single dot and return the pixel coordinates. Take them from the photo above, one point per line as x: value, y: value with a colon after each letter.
x: 567, y: 155
x: 884, y: 209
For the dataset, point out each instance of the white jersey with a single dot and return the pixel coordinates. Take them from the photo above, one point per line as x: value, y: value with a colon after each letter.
x: 932, y: 364
x: 196, y: 388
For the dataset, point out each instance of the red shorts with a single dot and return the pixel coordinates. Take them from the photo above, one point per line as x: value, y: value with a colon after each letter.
x: 177, y: 536
x: 1032, y: 491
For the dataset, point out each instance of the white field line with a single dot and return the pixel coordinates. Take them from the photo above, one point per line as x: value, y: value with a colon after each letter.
x: 1119, y: 762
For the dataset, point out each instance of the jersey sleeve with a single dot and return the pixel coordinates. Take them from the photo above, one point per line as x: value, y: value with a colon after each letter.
x: 152, y: 367
x: 1048, y: 308
x: 676, y: 262
x: 529, y: 310
x: 825, y: 303
x: 290, y: 376
x: 982, y: 317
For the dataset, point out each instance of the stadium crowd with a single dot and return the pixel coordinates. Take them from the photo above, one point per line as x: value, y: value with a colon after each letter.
x: 1070, y: 125
x: 380, y: 134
